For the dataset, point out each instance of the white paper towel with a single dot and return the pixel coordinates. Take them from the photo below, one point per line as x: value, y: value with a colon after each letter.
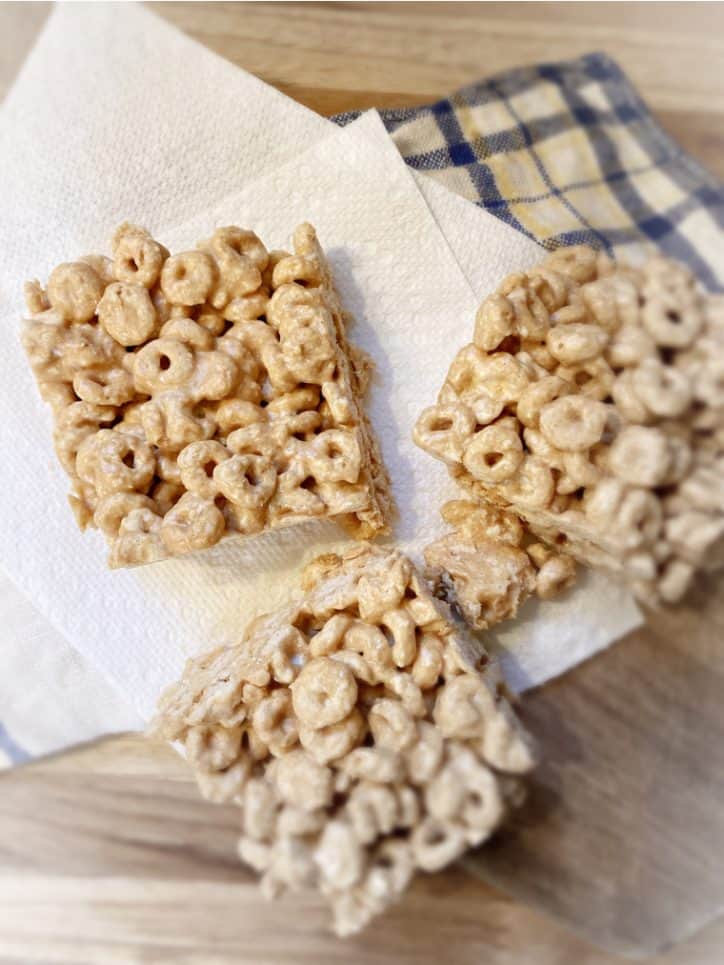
x: 394, y: 269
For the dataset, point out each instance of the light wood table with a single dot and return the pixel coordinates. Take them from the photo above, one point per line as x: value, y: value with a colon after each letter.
x: 106, y: 853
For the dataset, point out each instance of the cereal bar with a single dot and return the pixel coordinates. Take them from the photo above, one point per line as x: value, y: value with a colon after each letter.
x: 363, y: 735
x: 591, y: 403
x: 204, y: 394
x: 489, y: 565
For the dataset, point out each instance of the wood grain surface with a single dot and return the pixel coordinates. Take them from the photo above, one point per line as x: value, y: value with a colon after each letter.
x: 107, y: 855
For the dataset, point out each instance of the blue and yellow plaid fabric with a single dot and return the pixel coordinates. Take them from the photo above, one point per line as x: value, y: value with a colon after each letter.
x: 569, y: 153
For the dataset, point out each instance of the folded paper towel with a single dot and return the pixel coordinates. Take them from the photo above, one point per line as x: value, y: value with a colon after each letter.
x: 395, y: 269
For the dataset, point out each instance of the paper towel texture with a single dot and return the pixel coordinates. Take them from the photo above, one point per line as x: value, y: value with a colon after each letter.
x: 394, y: 269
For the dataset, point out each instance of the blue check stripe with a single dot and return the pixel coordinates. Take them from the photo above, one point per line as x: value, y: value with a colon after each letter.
x: 634, y: 186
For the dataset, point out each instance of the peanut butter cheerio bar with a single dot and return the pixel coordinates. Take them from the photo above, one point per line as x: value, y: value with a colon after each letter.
x: 591, y: 403
x: 363, y: 735
x: 204, y: 394
x: 489, y: 565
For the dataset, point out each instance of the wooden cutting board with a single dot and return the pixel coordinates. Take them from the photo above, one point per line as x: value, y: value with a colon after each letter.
x: 107, y: 855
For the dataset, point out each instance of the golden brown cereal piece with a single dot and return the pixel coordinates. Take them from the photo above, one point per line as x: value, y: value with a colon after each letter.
x: 74, y: 291
x: 137, y: 258
x: 607, y: 397
x: 230, y: 371
x: 127, y: 313
x: 425, y: 763
x: 491, y: 580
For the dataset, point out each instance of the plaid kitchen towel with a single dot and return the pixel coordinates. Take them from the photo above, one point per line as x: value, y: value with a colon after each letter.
x: 569, y: 153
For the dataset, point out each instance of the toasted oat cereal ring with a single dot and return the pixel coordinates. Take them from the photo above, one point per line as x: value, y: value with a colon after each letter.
x: 532, y: 320
x: 213, y: 748
x: 425, y: 754
x: 576, y: 343
x: 212, y: 320
x: 242, y: 258
x: 113, y: 509
x: 494, y: 321
x: 482, y: 807
x: 578, y: 262
x: 234, y: 414
x: 74, y: 291
x: 551, y: 287
x: 427, y: 666
x: 334, y: 456
x: 629, y: 346
x: 370, y: 642
x: 192, y: 524
x: 661, y: 388
x: 443, y: 430
x: 533, y: 486
x: 186, y: 330
x: 339, y: 857
x: 494, y: 454
x: 197, y: 463
x: 114, y: 461
x: 127, y: 313
x: 102, y: 266
x: 372, y: 810
x: 675, y: 580
x: 555, y: 575
x: 241, y: 242
x: 329, y: 637
x: 330, y: 743
x: 36, y: 300
x: 257, y: 439
x: 626, y: 400
x: 302, y: 782
x: 500, y: 375
x: 166, y: 494
x: 462, y: 707
x: 246, y: 308
x: 110, y: 386
x: 324, y: 693
x: 137, y: 258
x: 288, y: 300
x: 573, y: 423
x: 485, y: 408
x: 294, y: 403
x: 445, y: 794
x: 246, y: 480
x: 171, y: 422
x: 216, y: 376
x: 358, y: 665
x: 435, y: 844
x: 671, y: 321
x: 392, y: 726
x: 709, y: 383
x: 402, y: 627
x: 188, y: 278
x: 164, y: 363
x: 275, y: 723
x: 297, y: 269
x: 307, y: 344
x: 538, y: 394
x: 640, y: 456
x: 639, y: 519
x: 593, y: 379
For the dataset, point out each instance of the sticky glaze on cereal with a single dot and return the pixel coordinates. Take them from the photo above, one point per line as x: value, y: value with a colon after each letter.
x: 203, y: 394
x: 591, y: 403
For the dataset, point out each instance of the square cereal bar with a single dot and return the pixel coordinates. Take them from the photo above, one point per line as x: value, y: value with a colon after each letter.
x: 204, y: 394
x: 591, y: 403
x: 362, y: 733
